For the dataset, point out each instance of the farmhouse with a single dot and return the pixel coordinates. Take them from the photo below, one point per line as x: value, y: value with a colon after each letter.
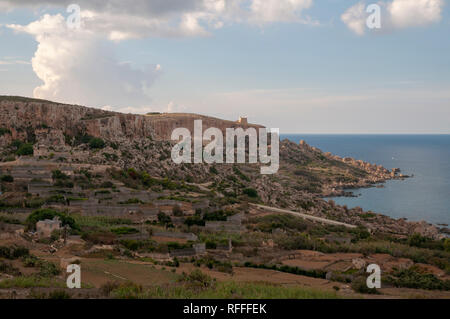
x: 44, y: 228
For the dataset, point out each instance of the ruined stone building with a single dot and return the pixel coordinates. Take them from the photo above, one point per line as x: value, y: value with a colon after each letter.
x: 44, y: 228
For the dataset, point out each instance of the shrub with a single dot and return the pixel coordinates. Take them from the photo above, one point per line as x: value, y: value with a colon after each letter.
x: 57, y: 174
x: 415, y: 277
x: 9, y: 158
x: 359, y: 284
x: 96, y: 143
x: 194, y: 220
x: 177, y: 211
x: 7, y: 178
x: 315, y: 273
x: 197, y: 280
x: 99, y: 237
x: 210, y: 244
x: 59, y: 294
x: 250, y: 192
x: 107, y: 288
x: 48, y: 269
x: 164, y: 219
x: 124, y: 230
x: 25, y: 149
x: 128, y: 290
x: 9, y: 269
x: 219, y: 215
x: 4, y: 131
x: 13, y: 252
x: 131, y: 201
x: 240, y: 174
x: 270, y: 222
x: 107, y: 184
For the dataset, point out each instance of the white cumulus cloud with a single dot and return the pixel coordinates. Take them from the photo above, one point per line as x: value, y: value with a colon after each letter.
x: 76, y: 66
x: 355, y: 18
x: 122, y: 19
x: 263, y: 11
x: 395, y: 14
x: 411, y: 13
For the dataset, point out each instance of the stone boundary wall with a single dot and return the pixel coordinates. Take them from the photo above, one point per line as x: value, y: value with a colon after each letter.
x: 187, y: 236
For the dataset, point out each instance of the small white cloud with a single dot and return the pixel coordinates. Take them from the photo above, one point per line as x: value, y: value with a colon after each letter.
x: 396, y: 14
x: 267, y: 11
x: 172, y: 107
x: 412, y: 13
x: 355, y: 18
x: 12, y: 61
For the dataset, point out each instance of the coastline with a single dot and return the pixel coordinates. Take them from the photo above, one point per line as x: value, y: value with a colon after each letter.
x: 418, y: 194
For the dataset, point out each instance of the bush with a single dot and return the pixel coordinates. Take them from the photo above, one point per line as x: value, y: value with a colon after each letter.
x: 197, y: 280
x: 99, y: 237
x: 59, y: 294
x: 315, y: 273
x: 124, y: 230
x: 194, y: 220
x: 57, y: 174
x: 7, y: 178
x: 128, y: 290
x: 240, y: 174
x: 96, y: 143
x: 210, y: 244
x: 131, y: 201
x: 250, y: 192
x: 13, y: 252
x: 48, y: 269
x: 8, y: 268
x: 359, y: 284
x: 4, y: 131
x: 415, y: 277
x: 107, y: 184
x: 164, y: 219
x: 107, y: 288
x: 25, y: 149
x: 177, y: 211
x: 270, y: 222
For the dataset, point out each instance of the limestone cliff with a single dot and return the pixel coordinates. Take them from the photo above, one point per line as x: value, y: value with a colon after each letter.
x: 25, y: 118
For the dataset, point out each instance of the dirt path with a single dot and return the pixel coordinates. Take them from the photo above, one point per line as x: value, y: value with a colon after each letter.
x: 305, y: 216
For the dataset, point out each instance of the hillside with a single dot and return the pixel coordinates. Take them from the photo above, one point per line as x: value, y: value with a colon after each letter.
x: 100, y: 189
x: 61, y: 133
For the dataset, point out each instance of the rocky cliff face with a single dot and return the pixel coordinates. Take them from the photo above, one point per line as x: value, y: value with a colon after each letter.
x: 25, y: 117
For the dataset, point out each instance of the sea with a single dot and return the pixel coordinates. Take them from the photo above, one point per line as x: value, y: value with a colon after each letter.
x: 425, y: 196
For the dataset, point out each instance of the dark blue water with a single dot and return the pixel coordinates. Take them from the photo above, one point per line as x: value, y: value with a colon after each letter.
x: 426, y: 196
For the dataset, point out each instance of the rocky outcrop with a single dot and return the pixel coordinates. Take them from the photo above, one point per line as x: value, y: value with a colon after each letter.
x: 24, y: 118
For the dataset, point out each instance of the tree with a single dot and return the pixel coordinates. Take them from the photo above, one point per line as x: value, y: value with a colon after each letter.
x: 46, y: 213
x: 177, y: 211
x: 250, y: 192
x: 164, y: 219
x: 25, y: 149
x: 7, y: 178
x: 96, y: 143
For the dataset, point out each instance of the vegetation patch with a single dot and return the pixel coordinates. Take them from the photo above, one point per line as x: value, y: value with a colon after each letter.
x: 417, y: 278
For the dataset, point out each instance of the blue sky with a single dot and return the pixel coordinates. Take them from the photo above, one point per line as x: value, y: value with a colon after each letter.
x: 299, y: 67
